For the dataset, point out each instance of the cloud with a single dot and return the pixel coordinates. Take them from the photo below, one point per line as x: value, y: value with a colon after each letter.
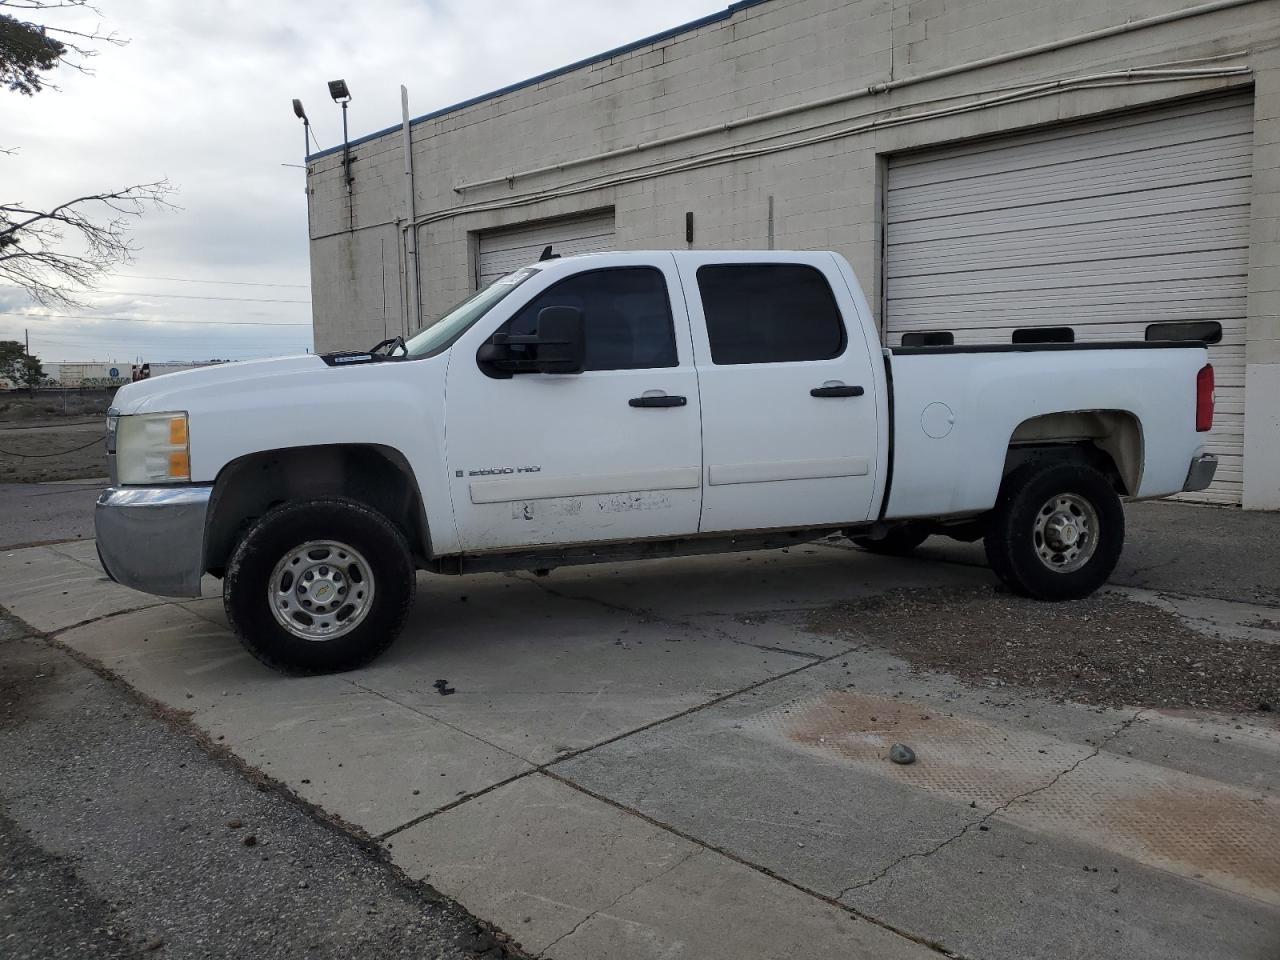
x: 201, y: 96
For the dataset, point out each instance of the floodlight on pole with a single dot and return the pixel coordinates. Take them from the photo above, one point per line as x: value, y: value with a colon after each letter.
x: 301, y: 114
x: 341, y: 95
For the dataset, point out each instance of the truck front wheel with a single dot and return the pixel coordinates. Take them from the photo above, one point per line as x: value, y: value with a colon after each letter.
x: 319, y: 586
x: 1056, y: 532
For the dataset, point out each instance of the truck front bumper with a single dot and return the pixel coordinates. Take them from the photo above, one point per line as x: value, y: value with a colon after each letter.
x: 152, y: 538
x: 1201, y: 472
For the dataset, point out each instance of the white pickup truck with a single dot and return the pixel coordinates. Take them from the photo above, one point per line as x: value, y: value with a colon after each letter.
x: 627, y: 406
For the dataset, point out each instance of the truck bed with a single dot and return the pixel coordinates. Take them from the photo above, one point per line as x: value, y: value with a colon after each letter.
x: 956, y: 409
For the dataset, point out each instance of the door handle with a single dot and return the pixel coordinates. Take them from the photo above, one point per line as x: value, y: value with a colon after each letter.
x: 657, y: 400
x: 836, y: 390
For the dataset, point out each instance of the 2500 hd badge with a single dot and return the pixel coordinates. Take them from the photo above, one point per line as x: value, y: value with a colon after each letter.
x: 499, y: 471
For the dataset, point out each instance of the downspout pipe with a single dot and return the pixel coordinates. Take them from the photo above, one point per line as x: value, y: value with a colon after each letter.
x: 413, y: 306
x: 872, y: 90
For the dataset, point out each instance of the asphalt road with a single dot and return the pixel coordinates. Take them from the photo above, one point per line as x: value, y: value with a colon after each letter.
x: 121, y: 837
x: 33, y: 513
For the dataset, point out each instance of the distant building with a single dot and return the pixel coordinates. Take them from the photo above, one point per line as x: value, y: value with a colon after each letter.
x: 96, y: 374
x: 146, y: 371
x: 110, y: 373
x: 992, y: 168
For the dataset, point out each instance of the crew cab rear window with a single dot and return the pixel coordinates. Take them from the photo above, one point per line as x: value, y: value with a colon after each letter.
x: 769, y: 313
x: 626, y: 312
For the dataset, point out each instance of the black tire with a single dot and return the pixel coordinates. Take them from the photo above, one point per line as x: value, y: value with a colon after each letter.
x: 1013, y: 544
x: 901, y: 541
x: 248, y: 582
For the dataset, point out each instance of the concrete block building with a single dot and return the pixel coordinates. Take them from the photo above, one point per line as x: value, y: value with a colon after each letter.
x: 993, y: 169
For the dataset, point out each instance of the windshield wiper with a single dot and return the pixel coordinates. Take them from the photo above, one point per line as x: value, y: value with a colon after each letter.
x: 390, y: 345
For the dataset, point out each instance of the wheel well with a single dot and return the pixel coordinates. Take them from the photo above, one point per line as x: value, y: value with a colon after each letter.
x: 1109, y: 439
x: 377, y: 476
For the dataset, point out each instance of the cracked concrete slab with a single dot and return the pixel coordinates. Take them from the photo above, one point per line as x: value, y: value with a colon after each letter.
x: 51, y: 591
x: 536, y: 856
x: 60, y: 585
x: 85, y: 551
x: 573, y: 877
x: 540, y: 675
x: 794, y: 776
x: 1008, y: 893
x: 752, y: 916
x: 1227, y: 618
x: 373, y: 763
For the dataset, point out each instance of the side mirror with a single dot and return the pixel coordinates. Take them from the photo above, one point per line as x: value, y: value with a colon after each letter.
x: 558, y: 346
x: 561, y: 344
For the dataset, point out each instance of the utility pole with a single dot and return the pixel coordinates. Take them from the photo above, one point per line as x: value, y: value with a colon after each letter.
x: 26, y: 332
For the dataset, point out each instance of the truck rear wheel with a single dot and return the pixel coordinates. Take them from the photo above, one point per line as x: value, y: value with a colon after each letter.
x: 319, y: 586
x: 1056, y: 532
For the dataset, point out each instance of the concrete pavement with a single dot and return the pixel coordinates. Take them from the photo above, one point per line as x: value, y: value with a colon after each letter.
x: 662, y: 759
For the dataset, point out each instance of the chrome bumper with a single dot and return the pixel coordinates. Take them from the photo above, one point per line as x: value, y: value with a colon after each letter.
x: 1200, y: 475
x: 152, y: 538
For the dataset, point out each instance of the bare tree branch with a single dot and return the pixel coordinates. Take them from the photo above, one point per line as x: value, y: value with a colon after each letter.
x: 49, y: 5
x: 28, y: 49
x: 57, y: 254
x: 34, y: 242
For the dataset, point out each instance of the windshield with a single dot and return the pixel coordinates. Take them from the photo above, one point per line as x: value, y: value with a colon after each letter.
x: 458, y: 320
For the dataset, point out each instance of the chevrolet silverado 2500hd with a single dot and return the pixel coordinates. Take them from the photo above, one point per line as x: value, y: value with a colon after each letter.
x: 631, y: 405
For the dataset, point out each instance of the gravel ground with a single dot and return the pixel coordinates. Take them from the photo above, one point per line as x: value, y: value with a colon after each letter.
x: 18, y: 406
x: 53, y: 451
x: 120, y: 836
x: 1106, y: 649
x: 51, y: 436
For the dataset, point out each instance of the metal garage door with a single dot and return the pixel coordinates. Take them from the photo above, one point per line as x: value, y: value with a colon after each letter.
x: 502, y: 251
x: 1103, y: 227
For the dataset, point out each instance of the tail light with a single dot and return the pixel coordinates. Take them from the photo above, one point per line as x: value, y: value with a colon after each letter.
x: 1204, y: 398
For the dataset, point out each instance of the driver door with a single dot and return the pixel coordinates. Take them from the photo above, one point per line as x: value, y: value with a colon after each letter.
x: 611, y: 453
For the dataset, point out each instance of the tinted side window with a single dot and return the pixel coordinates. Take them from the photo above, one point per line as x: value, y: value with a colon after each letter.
x: 626, y: 311
x: 769, y: 313
x: 929, y: 338
x: 1207, y: 331
x: 1044, y: 335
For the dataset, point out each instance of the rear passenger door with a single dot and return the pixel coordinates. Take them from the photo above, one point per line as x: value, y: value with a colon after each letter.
x: 789, y: 424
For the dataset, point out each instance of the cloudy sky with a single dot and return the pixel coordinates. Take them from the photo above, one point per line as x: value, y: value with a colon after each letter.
x: 201, y: 94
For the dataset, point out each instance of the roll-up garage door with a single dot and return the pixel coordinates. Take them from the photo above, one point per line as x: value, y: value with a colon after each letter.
x: 1104, y: 227
x: 502, y: 251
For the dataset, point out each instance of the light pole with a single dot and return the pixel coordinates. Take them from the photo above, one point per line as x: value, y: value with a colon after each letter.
x: 338, y: 90
x: 306, y: 126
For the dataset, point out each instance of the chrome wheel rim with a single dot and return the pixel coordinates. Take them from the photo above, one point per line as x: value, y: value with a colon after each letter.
x: 1066, y: 532
x: 321, y: 590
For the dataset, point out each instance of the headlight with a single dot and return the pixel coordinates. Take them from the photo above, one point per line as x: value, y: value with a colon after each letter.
x: 151, y: 448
